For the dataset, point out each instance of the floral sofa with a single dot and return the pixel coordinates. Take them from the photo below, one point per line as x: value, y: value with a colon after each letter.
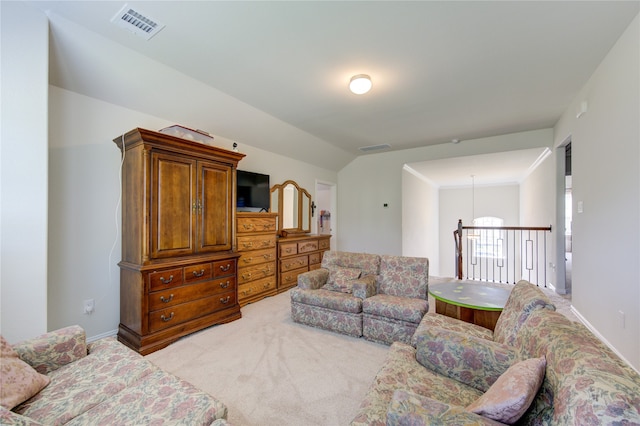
x: 552, y: 372
x: 382, y: 298
x: 58, y: 379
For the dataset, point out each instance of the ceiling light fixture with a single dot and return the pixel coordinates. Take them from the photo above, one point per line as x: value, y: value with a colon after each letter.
x: 360, y: 84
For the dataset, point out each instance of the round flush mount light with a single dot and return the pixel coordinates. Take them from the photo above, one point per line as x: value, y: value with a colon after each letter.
x: 360, y: 84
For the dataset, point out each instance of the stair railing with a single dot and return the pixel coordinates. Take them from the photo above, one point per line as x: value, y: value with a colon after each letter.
x: 502, y: 254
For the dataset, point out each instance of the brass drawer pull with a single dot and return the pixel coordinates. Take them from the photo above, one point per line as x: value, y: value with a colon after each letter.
x: 198, y: 274
x: 265, y: 243
x: 225, y: 300
x: 248, y: 245
x: 225, y: 268
x: 248, y: 226
x: 246, y: 276
x: 248, y: 259
x: 267, y: 256
x: 165, y: 319
x: 224, y: 285
x: 166, y: 281
x: 162, y: 299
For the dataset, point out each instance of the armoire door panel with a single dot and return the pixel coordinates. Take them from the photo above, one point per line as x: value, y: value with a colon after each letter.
x: 214, y: 192
x: 173, y: 205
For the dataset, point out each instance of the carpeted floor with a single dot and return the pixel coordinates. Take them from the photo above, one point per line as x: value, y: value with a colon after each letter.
x: 268, y: 370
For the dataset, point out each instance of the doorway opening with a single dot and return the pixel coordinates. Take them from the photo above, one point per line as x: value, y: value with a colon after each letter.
x: 568, y: 218
x: 325, y: 217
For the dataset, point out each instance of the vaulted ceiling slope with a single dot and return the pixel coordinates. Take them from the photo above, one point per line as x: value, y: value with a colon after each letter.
x: 274, y: 74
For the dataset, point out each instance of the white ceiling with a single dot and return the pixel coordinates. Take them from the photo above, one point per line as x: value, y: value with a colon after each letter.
x: 440, y: 70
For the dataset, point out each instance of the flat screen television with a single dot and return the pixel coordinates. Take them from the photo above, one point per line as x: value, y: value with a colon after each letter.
x: 252, y: 192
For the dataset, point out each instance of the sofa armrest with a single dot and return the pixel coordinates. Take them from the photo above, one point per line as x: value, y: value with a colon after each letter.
x: 365, y: 286
x: 8, y: 417
x: 408, y: 408
x: 50, y: 351
x: 471, y: 360
x: 313, y: 280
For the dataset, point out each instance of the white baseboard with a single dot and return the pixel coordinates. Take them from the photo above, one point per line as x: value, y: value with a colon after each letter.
x: 102, y: 335
x: 587, y: 324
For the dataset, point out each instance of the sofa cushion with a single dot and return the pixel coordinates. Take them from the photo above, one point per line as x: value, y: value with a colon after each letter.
x: 157, y: 398
x: 400, y: 308
x: 18, y: 380
x: 523, y: 299
x: 83, y: 384
x: 585, y: 382
x: 401, y: 370
x: 471, y: 360
x: 55, y: 349
x: 511, y: 395
x: 327, y: 299
x: 342, y: 279
x: 432, y: 319
x: 368, y: 263
x: 408, y: 408
x: 404, y: 276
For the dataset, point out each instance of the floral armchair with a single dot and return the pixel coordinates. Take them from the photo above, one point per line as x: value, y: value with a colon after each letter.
x: 331, y: 297
x: 400, y: 302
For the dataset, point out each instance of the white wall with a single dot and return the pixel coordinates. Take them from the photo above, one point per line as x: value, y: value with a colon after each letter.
x: 23, y: 156
x: 455, y: 203
x: 420, y: 220
x: 538, y: 208
x: 605, y: 145
x: 84, y: 247
x: 372, y: 180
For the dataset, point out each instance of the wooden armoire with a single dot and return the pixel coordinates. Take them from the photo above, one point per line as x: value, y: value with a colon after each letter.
x: 178, y: 272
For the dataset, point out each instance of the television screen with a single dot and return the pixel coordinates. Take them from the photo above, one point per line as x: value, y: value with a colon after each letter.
x: 252, y: 192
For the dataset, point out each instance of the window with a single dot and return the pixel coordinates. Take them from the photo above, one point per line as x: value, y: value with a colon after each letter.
x: 487, y: 243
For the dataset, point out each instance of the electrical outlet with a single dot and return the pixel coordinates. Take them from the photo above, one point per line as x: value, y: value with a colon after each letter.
x: 89, y: 306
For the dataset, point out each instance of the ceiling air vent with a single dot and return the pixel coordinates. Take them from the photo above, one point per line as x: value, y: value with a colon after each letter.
x: 136, y: 22
x: 374, y: 147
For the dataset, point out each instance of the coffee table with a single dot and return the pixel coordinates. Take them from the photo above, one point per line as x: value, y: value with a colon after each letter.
x: 471, y: 301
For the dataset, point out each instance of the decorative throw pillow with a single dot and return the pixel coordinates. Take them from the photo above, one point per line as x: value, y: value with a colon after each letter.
x: 511, y: 395
x: 18, y: 380
x: 341, y: 279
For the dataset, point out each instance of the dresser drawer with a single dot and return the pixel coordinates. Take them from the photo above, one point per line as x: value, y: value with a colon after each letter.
x: 324, y: 244
x: 315, y: 266
x: 293, y: 263
x: 175, y: 315
x: 256, y: 287
x: 288, y: 249
x: 256, y: 224
x: 164, y: 279
x: 175, y: 296
x: 254, y: 272
x: 289, y: 279
x: 256, y: 242
x: 201, y: 272
x: 224, y: 267
x: 307, y: 246
x: 315, y: 258
x: 255, y: 257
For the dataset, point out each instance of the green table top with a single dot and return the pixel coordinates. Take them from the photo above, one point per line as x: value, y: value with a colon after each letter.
x: 474, y: 295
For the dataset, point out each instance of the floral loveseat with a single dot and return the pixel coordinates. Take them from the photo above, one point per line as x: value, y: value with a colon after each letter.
x: 555, y: 372
x: 58, y: 379
x: 382, y: 298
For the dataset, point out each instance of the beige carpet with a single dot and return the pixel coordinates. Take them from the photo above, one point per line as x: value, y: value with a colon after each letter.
x: 268, y: 370
x: 271, y: 371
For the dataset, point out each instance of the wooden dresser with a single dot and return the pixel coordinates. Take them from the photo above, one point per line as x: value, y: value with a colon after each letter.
x: 179, y: 263
x: 256, y: 235
x: 298, y: 254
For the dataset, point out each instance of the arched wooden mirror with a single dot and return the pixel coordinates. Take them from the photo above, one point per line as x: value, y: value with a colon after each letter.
x: 293, y: 205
